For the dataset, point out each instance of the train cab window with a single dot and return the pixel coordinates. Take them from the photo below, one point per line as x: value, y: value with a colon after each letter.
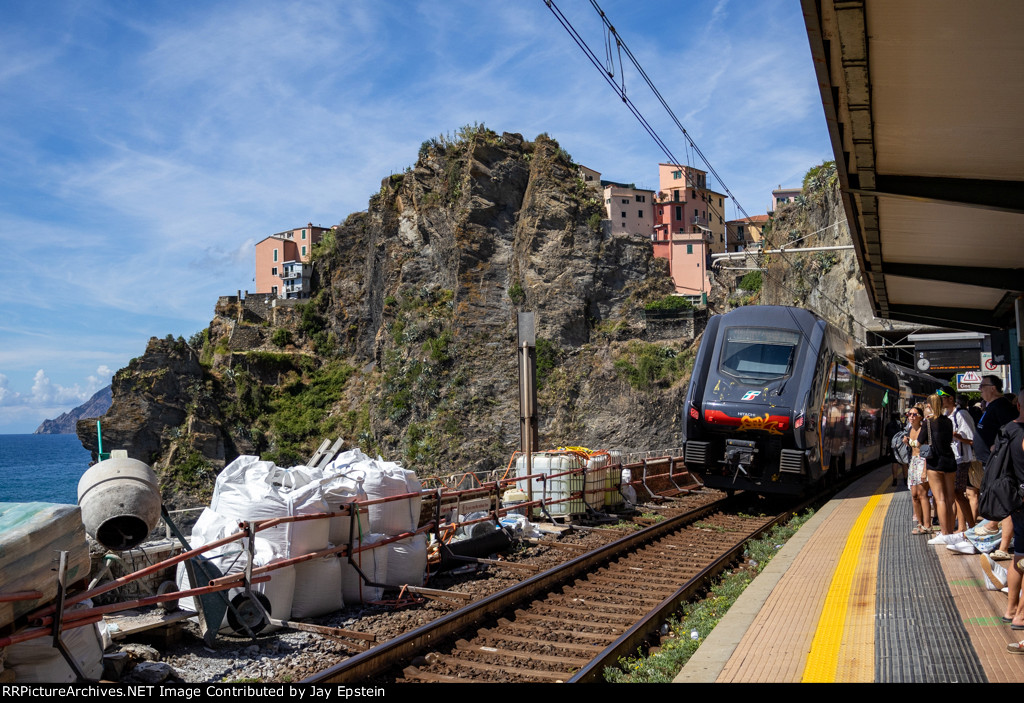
x: 759, y: 354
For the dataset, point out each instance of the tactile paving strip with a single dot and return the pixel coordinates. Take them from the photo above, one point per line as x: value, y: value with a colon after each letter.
x: 919, y: 636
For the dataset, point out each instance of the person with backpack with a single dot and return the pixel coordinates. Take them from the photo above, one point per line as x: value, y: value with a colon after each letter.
x: 898, y: 449
x: 997, y: 413
x: 1011, y: 443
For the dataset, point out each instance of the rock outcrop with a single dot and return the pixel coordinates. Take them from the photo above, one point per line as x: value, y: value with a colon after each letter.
x: 408, y: 348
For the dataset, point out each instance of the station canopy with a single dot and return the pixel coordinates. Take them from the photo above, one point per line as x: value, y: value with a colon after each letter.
x: 924, y: 101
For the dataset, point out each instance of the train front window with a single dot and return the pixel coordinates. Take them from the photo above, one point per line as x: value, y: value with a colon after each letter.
x: 759, y: 354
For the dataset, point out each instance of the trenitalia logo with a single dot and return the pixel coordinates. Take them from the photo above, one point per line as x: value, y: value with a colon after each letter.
x: 750, y: 395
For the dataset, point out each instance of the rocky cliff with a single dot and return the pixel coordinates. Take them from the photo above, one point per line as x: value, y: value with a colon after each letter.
x: 65, y: 423
x: 827, y: 282
x: 408, y: 348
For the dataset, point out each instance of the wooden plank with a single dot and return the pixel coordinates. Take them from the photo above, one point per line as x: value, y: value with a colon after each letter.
x: 131, y: 622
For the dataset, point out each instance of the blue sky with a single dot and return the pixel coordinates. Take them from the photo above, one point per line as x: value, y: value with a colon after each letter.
x: 146, y: 147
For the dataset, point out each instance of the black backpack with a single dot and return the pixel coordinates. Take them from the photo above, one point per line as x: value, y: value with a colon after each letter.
x: 1002, y: 491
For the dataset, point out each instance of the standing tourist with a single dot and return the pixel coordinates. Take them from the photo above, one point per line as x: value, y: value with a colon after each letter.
x: 997, y: 412
x: 1015, y: 575
x: 941, y: 468
x: 963, y: 453
x: 917, y: 477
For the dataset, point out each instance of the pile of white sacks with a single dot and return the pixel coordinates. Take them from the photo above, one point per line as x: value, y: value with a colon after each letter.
x: 250, y: 489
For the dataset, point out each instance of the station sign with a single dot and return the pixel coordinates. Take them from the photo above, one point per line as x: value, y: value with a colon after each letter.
x: 970, y: 381
x: 990, y: 367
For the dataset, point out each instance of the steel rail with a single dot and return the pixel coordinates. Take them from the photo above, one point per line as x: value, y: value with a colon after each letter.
x: 647, y: 626
x: 393, y: 652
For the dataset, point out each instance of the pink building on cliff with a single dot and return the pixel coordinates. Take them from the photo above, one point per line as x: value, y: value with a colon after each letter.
x: 292, y: 247
x: 688, y: 226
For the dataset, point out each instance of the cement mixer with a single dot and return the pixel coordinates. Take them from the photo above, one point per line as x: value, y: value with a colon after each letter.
x: 120, y: 502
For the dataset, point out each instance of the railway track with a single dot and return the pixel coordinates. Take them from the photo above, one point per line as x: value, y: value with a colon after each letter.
x: 567, y: 623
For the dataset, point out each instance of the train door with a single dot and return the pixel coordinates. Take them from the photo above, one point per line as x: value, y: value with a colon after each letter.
x: 841, y: 415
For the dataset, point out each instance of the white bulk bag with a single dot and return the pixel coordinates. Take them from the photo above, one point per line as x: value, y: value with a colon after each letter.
x: 259, y: 490
x: 384, y: 480
x: 407, y: 561
x: 317, y: 587
x: 373, y: 563
x: 38, y: 661
x: 343, y: 485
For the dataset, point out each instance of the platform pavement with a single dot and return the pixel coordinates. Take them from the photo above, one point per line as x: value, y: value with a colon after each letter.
x: 854, y: 597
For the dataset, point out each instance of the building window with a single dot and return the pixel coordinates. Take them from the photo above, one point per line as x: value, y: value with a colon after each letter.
x: 676, y: 175
x: 623, y: 215
x: 640, y: 214
x: 679, y: 215
x: 625, y: 201
x: 303, y: 249
x: 689, y: 248
x: 275, y: 255
x: 641, y: 198
x: 693, y: 194
x: 273, y: 271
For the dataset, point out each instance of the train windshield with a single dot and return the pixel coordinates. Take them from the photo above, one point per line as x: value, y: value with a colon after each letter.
x: 759, y: 354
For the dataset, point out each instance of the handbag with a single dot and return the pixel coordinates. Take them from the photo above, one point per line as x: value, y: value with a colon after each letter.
x: 975, y: 473
x: 925, y: 450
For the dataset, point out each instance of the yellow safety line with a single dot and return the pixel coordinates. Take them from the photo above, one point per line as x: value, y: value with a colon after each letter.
x: 823, y: 659
x: 857, y: 652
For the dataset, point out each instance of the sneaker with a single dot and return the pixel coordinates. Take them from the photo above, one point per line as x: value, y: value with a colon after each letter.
x: 964, y: 547
x: 999, y: 555
x: 995, y: 574
x: 955, y: 538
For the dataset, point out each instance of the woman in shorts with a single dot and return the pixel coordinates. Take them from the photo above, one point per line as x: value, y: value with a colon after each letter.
x: 917, y: 472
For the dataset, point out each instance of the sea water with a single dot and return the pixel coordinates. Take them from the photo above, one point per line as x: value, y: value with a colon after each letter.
x: 41, y: 467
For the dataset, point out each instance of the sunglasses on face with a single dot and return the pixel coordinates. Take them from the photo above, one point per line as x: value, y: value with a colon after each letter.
x: 913, y: 414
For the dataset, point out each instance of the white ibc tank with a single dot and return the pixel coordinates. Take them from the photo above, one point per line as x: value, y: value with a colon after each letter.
x: 559, y: 487
x: 596, y: 484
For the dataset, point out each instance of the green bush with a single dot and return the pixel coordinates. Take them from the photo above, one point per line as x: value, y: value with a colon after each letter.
x: 547, y: 359
x: 199, y: 339
x: 752, y: 282
x: 282, y: 337
x: 646, y: 365
x: 516, y: 293
x: 670, y: 303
